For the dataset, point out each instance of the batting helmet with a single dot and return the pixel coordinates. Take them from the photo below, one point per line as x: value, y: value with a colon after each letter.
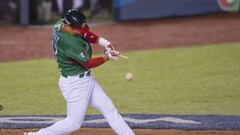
x: 74, y: 18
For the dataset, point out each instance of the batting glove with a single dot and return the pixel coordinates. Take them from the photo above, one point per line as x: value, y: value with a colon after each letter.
x: 112, y: 55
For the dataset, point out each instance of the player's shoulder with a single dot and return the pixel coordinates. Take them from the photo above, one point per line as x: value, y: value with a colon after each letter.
x: 73, y: 41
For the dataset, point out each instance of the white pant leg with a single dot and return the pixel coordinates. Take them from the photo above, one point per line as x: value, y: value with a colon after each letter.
x: 77, y: 92
x: 103, y: 103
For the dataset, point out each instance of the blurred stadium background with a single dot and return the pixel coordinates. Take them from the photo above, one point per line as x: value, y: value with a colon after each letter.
x: 28, y: 12
x: 197, y: 72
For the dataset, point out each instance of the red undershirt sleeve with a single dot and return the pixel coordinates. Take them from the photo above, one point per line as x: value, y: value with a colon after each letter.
x: 94, y: 62
x: 91, y: 37
x: 87, y: 34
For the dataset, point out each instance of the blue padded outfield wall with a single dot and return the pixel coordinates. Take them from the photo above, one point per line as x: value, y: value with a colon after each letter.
x: 148, y: 9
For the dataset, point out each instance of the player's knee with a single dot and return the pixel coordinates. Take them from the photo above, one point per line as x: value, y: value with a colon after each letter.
x: 73, y: 126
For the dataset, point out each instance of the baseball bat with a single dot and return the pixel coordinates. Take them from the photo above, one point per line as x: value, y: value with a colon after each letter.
x: 123, y: 56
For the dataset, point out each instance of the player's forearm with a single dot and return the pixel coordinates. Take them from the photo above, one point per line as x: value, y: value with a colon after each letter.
x: 92, y: 37
x: 87, y: 34
x: 94, y: 62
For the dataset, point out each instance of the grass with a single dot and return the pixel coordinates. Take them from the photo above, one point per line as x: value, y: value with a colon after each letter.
x: 197, y: 80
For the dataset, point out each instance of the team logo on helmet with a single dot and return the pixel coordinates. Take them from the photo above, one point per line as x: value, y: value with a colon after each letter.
x: 229, y: 5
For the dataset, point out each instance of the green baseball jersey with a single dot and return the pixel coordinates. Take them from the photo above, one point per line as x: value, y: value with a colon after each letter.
x: 70, y: 51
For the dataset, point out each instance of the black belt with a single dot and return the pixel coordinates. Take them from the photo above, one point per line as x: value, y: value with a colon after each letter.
x: 87, y: 73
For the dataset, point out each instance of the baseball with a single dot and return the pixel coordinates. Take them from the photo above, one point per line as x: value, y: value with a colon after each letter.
x: 129, y: 76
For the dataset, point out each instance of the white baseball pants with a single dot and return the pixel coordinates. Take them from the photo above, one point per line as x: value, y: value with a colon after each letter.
x: 79, y: 93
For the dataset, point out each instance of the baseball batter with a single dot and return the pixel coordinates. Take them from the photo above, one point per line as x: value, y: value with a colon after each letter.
x: 70, y: 40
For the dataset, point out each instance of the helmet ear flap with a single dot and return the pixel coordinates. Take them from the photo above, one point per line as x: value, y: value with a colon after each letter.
x: 74, y: 18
